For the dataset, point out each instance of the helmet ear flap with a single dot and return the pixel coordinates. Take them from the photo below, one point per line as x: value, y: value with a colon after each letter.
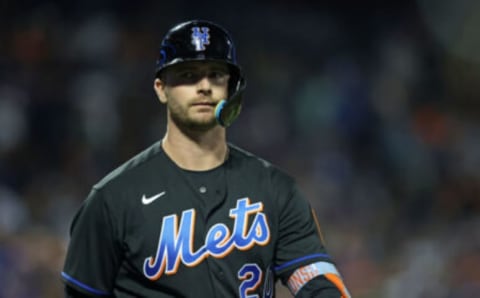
x: 228, y: 110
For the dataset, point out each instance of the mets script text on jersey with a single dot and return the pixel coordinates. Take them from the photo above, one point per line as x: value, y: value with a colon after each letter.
x: 175, y: 242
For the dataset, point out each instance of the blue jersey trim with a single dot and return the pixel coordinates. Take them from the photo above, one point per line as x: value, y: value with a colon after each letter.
x: 84, y: 286
x: 301, y: 260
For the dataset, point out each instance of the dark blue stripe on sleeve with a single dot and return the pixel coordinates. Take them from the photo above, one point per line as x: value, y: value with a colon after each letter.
x: 84, y: 286
x: 301, y: 260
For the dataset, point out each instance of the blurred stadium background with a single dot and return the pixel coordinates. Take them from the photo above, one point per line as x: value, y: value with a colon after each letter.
x: 374, y: 107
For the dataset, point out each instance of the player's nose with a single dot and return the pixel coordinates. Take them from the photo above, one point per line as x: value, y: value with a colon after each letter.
x: 204, y: 85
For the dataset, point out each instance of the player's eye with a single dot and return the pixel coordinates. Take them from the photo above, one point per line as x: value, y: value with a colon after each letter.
x: 191, y: 76
x: 188, y: 76
x: 218, y: 76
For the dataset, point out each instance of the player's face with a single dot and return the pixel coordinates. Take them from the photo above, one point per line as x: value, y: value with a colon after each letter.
x: 191, y: 92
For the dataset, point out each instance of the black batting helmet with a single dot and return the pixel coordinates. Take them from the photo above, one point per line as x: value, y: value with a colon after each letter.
x: 200, y: 40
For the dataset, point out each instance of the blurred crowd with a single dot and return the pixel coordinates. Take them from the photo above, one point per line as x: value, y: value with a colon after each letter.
x: 373, y: 108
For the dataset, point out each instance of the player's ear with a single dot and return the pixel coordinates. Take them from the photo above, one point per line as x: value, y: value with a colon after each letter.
x: 159, y: 87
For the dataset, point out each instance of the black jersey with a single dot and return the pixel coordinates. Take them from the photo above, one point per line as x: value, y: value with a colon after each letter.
x: 149, y: 229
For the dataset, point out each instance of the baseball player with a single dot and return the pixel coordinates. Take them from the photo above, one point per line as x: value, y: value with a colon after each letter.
x: 193, y: 215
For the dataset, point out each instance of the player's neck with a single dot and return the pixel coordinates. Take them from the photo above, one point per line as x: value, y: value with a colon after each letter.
x: 198, y: 151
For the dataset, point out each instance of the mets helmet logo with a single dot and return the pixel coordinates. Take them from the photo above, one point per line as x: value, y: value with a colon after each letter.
x: 200, y: 38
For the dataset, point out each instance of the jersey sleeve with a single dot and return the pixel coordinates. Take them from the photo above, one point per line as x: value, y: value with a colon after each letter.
x: 93, y: 255
x: 300, y: 254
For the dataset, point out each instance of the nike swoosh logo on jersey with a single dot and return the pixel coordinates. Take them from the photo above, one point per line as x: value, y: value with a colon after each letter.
x: 146, y: 201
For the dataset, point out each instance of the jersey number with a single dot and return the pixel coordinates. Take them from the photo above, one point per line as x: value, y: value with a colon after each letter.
x: 251, y: 275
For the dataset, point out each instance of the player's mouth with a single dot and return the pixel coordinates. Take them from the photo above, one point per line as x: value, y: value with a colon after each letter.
x: 204, y: 104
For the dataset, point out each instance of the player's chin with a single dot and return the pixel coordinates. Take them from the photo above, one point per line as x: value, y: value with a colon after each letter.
x: 202, y: 122
x: 202, y: 115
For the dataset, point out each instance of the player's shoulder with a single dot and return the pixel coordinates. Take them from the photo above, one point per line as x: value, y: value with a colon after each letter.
x: 135, y: 166
x: 253, y: 163
x: 244, y: 156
